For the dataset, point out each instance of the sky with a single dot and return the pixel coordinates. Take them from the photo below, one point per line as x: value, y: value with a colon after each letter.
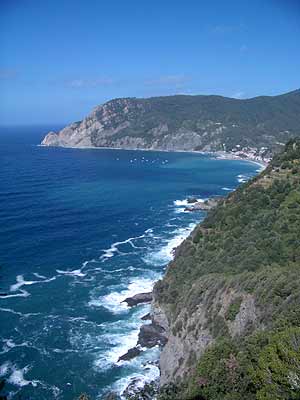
x: 60, y: 58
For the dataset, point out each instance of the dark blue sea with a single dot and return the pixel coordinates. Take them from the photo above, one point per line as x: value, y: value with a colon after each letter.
x: 81, y: 230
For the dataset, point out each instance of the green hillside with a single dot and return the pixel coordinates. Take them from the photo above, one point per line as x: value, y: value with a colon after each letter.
x: 182, y: 122
x: 241, y: 269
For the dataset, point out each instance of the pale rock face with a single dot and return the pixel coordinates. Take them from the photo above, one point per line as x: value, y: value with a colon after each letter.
x: 113, y: 125
x: 182, y: 122
x: 189, y: 334
x: 51, y: 139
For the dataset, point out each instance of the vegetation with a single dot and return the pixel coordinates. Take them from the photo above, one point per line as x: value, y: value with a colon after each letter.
x: 248, y: 246
x: 219, y: 121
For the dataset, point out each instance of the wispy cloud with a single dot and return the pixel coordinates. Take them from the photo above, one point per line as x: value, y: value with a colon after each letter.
x: 89, y: 83
x: 175, y: 81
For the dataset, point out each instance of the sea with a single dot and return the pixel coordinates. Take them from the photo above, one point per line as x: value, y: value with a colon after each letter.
x: 81, y: 230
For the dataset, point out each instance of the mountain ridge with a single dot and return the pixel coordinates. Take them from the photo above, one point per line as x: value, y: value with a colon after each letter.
x: 185, y: 122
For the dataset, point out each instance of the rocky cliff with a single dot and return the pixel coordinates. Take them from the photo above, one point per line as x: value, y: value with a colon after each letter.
x: 230, y: 301
x: 182, y: 122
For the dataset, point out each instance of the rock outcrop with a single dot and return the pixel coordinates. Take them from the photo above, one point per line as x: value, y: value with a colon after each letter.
x: 202, y: 205
x: 139, y: 298
x: 206, y: 123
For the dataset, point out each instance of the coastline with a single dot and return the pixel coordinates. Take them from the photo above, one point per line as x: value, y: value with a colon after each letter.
x: 222, y: 155
x: 130, y: 384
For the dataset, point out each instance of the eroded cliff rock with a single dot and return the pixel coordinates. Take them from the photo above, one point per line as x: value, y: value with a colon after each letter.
x: 206, y: 123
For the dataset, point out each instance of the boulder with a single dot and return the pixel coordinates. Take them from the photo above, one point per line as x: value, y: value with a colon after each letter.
x: 131, y: 353
x: 146, y: 317
x: 203, y: 205
x: 152, y: 335
x: 138, y: 299
x: 192, y: 200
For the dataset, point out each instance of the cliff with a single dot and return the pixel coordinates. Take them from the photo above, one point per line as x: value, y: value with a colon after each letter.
x: 230, y: 300
x: 207, y: 123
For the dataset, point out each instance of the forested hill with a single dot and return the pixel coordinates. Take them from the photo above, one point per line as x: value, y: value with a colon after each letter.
x: 186, y: 123
x: 230, y: 300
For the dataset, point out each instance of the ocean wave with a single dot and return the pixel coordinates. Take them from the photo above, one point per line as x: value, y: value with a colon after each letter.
x: 114, y: 300
x: 17, y: 312
x: 242, y: 178
x: 21, y: 282
x: 114, y: 248
x: 227, y: 189
x: 9, y: 344
x: 74, y: 272
x: 148, y: 372
x: 119, y: 344
x: 185, y: 202
x: 15, y: 375
x: 166, y: 253
x: 23, y: 293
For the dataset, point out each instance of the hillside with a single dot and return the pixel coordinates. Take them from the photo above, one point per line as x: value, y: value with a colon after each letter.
x: 230, y: 301
x: 181, y: 122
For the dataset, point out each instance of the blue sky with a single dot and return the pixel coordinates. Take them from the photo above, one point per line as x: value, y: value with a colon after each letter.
x: 60, y: 58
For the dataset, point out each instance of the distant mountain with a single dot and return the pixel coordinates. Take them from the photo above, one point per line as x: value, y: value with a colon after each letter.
x: 181, y: 122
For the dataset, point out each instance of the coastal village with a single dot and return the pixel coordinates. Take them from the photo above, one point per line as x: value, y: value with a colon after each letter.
x: 261, y: 155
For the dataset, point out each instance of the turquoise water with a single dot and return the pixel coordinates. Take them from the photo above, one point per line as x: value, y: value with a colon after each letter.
x: 80, y: 231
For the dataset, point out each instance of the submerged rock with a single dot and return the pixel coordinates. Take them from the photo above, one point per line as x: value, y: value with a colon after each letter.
x: 192, y: 200
x: 138, y: 299
x: 131, y: 353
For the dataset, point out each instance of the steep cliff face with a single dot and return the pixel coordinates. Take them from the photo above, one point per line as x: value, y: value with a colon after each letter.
x: 185, y: 123
x: 233, y: 286
x: 193, y: 330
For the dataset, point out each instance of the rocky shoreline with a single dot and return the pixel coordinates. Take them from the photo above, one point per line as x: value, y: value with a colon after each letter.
x: 206, y: 205
x: 150, y: 334
x: 154, y: 332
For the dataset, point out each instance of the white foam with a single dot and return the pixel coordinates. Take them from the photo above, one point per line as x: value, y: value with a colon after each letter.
x: 39, y: 276
x: 4, y: 368
x: 23, y: 293
x: 181, y: 210
x: 114, y: 248
x: 184, y: 203
x: 119, y: 345
x: 10, y: 344
x: 227, y: 189
x: 114, y: 300
x: 147, y: 374
x: 242, y: 178
x: 74, y: 272
x: 16, y: 375
x: 166, y: 253
x: 21, y: 282
x: 17, y: 312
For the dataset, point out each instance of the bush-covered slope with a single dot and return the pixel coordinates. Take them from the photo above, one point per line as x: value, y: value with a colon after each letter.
x: 232, y: 295
x: 186, y: 123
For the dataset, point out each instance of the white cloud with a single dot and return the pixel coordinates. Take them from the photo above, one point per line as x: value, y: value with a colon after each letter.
x: 89, y: 83
x: 239, y: 95
x: 175, y: 81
